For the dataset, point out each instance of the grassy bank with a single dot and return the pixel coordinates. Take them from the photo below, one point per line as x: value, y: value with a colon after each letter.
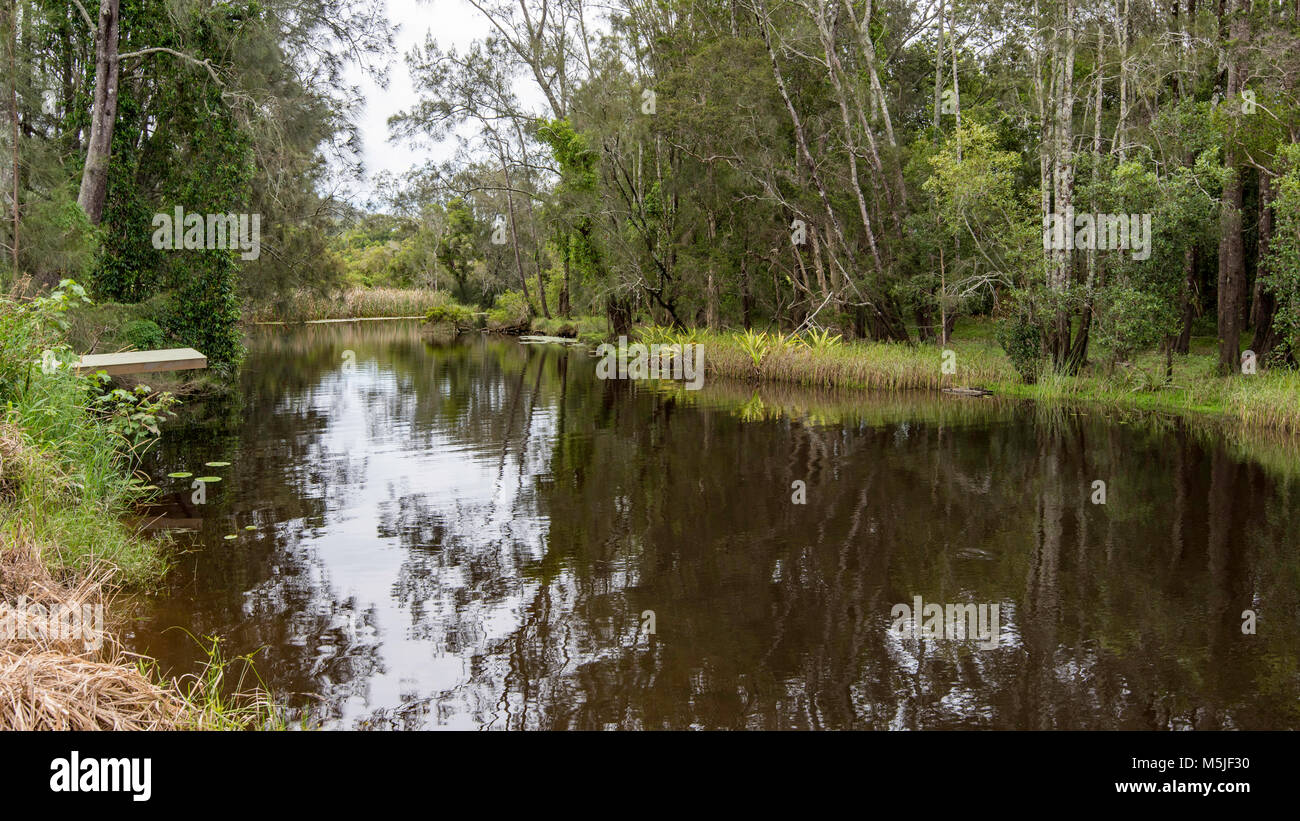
x: 1266, y: 401
x: 66, y: 491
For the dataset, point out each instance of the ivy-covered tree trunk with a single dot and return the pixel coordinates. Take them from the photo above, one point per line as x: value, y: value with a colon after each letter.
x: 94, y: 175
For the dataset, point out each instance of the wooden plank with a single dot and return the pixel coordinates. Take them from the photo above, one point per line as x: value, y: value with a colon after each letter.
x: 171, y: 359
x: 548, y: 340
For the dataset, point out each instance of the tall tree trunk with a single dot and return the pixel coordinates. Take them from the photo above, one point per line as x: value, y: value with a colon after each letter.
x: 1191, y: 259
x: 568, y: 257
x: 94, y: 176
x: 711, y: 288
x: 1264, y: 303
x: 1121, y: 35
x: 1232, y: 254
x: 1063, y: 175
x: 956, y: 88
x: 514, y: 235
x: 1232, y: 272
x: 532, y: 220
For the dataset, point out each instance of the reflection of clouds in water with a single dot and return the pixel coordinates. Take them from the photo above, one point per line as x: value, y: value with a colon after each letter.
x: 467, y: 538
x: 461, y: 510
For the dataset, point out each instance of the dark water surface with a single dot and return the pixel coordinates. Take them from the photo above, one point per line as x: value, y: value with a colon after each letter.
x: 468, y: 535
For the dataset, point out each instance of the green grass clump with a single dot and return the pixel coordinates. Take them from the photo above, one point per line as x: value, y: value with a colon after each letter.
x: 447, y: 312
x: 224, y: 694
x: 65, y: 483
x: 589, y: 329
x: 857, y: 364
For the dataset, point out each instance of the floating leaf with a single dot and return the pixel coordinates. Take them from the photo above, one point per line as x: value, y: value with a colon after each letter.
x: 216, y: 464
x: 231, y: 536
x: 180, y: 474
x: 250, y: 527
x: 209, y: 479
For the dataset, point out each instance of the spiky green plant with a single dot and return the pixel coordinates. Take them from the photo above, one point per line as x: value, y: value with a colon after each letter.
x: 756, y: 345
x: 819, y: 339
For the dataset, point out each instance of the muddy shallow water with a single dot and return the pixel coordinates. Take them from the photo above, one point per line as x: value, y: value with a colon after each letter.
x: 482, y: 534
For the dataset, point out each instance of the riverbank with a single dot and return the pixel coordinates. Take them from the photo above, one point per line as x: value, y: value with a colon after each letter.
x: 1265, y: 401
x: 66, y: 494
x: 1269, y: 399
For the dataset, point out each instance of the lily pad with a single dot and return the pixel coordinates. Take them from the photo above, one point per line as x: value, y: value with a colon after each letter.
x: 216, y: 464
x: 250, y: 527
x: 180, y: 474
x: 206, y: 479
x: 231, y: 536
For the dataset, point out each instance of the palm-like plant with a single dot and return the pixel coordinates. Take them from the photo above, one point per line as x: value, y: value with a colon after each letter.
x: 655, y: 335
x: 818, y: 339
x: 787, y: 342
x: 755, y: 344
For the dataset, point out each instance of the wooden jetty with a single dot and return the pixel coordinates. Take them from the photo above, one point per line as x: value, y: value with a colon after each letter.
x: 171, y: 359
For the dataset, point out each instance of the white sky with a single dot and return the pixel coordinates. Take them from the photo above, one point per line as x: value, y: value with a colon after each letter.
x: 455, y: 23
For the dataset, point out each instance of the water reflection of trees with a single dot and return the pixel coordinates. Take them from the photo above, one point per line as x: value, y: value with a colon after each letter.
x: 772, y: 614
x: 608, y: 500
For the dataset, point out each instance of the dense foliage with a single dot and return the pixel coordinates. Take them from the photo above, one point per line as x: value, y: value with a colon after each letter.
x: 877, y: 169
x: 221, y: 108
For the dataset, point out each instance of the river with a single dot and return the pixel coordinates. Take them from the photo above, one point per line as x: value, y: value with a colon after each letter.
x: 424, y: 534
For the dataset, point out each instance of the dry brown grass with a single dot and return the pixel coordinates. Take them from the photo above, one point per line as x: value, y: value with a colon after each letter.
x: 51, y: 681
x: 52, y: 690
x: 352, y: 303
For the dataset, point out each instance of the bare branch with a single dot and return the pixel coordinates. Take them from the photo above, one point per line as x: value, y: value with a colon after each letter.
x: 196, y: 61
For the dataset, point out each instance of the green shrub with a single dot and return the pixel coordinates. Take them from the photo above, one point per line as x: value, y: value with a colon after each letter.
x: 447, y: 311
x: 1022, y: 340
x: 509, y: 312
x: 756, y: 345
x: 1129, y: 320
x: 133, y: 414
x: 143, y: 335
